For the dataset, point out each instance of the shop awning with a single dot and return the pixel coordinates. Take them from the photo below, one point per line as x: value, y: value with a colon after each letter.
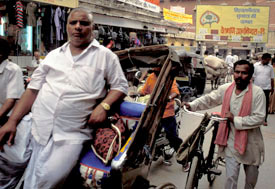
x: 134, y: 24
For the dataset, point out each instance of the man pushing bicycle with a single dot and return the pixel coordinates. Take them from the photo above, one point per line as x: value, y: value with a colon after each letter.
x: 240, y: 139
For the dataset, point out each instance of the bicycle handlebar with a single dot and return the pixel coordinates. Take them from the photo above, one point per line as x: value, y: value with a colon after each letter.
x: 212, y: 117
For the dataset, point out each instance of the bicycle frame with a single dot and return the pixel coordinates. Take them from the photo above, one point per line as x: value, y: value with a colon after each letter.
x: 199, y: 164
x: 202, y: 166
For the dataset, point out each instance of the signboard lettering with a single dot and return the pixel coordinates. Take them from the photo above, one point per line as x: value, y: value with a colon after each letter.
x: 232, y: 23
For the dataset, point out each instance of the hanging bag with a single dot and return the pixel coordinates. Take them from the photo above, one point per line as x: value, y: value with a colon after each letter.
x: 109, y: 140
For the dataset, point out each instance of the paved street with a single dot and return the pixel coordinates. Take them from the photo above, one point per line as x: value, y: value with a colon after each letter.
x: 161, y: 173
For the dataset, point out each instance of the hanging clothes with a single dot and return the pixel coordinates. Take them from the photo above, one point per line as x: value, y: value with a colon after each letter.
x: 2, y: 11
x: 30, y: 11
x: 51, y: 24
x: 46, y: 26
x: 10, y: 10
x: 63, y: 24
x: 19, y: 14
x: 57, y: 19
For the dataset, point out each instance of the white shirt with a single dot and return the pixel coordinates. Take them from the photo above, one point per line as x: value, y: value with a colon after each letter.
x: 230, y: 60
x: 255, y: 146
x: 263, y: 75
x: 35, y: 63
x: 69, y: 90
x: 11, y: 81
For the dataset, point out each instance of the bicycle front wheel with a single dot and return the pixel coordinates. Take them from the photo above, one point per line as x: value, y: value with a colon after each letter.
x: 193, y: 177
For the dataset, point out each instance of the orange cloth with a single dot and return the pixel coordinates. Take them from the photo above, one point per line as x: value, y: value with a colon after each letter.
x: 148, y: 89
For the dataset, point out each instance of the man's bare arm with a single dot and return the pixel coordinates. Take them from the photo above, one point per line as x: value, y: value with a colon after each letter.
x: 21, y: 108
x: 99, y: 115
x: 24, y: 105
x: 7, y: 106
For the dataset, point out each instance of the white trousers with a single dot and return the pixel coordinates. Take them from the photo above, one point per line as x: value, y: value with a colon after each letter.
x: 50, y: 165
x: 14, y: 159
x: 232, y: 174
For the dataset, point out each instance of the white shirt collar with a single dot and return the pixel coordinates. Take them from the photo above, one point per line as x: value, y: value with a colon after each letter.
x: 94, y: 43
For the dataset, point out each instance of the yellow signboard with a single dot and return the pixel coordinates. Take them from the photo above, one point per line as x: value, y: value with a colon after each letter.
x: 63, y: 3
x: 232, y: 23
x: 177, y: 17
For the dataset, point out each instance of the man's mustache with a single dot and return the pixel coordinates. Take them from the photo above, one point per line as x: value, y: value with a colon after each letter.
x: 238, y: 79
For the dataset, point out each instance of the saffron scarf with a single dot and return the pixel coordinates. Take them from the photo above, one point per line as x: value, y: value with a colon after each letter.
x: 240, y: 141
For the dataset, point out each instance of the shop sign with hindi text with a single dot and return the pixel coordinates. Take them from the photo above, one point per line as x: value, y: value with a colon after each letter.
x: 151, y: 5
x: 232, y: 23
x: 177, y: 17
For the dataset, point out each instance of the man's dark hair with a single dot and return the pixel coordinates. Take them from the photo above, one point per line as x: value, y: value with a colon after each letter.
x: 266, y: 56
x: 245, y: 62
x: 206, y: 52
x: 4, y: 48
x: 198, y: 52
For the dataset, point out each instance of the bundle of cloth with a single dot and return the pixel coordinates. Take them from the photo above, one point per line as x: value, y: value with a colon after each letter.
x: 216, y: 70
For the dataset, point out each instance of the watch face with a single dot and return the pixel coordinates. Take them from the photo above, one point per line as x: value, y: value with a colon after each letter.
x: 105, y: 106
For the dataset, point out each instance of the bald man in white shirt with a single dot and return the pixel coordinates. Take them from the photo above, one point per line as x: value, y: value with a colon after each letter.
x: 68, y: 98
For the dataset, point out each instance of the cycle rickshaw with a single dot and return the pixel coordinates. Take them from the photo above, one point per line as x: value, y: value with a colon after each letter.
x: 131, y: 166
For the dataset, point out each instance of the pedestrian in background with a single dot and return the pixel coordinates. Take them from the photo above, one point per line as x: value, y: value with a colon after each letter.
x: 229, y: 60
x: 240, y: 139
x: 264, y: 78
x: 271, y: 108
x: 68, y: 97
x: 168, y: 121
x: 206, y: 53
x: 35, y: 62
x: 11, y: 82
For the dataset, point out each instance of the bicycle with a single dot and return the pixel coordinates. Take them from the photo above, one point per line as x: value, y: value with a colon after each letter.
x: 199, y: 165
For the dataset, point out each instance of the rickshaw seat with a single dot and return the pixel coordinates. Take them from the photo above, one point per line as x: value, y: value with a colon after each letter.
x: 131, y: 109
x: 92, y: 169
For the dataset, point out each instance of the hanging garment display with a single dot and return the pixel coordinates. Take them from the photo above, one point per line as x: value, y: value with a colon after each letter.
x: 46, y: 26
x: 11, y: 11
x: 155, y: 39
x: 2, y: 11
x: 30, y: 11
x: 63, y: 23
x: 95, y: 34
x: 19, y: 14
x: 57, y: 18
x: 101, y: 31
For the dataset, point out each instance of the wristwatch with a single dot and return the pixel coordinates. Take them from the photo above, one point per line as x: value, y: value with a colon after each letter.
x: 105, y: 106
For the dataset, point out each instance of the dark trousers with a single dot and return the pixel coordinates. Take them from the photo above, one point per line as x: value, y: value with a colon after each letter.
x: 170, y: 126
x: 266, y: 92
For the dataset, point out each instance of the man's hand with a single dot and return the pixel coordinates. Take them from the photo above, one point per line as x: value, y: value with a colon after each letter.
x: 99, y: 115
x: 229, y: 116
x: 188, y: 107
x: 7, y: 133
